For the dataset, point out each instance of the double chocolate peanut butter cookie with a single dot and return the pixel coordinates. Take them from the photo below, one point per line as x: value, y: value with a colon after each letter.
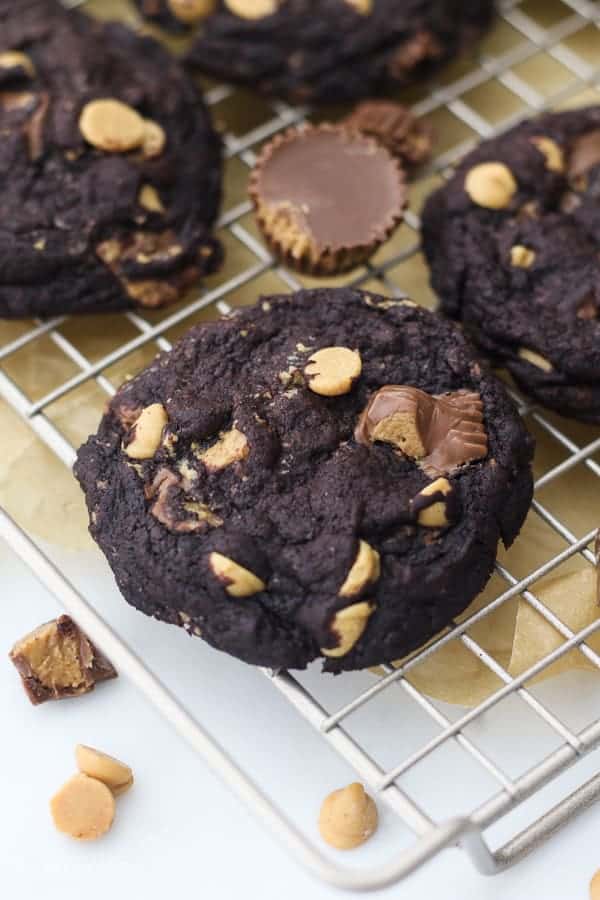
x: 325, y: 51
x: 326, y: 474
x: 109, y: 167
x: 513, y: 241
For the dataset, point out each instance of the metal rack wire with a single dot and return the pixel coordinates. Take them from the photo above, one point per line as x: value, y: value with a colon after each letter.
x: 528, y: 38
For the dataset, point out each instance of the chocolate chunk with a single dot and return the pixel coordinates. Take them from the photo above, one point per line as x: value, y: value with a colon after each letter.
x: 57, y: 660
x: 442, y: 432
x: 326, y: 198
x: 394, y: 126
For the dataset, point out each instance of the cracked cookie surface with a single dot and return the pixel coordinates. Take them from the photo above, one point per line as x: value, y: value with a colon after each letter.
x: 326, y: 51
x: 233, y: 499
x: 513, y: 242
x: 109, y: 165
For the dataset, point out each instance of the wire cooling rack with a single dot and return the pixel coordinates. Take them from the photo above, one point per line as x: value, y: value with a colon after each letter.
x: 541, y: 54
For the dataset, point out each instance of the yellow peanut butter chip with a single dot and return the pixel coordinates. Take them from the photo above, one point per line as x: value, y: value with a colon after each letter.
x: 555, y: 159
x: 111, y: 125
x: 147, y: 432
x: 491, y: 185
x: 110, y: 771
x: 332, y: 371
x: 252, y: 9
x: 238, y: 581
x: 348, y: 624
x: 348, y: 817
x: 84, y: 808
x: 365, y: 570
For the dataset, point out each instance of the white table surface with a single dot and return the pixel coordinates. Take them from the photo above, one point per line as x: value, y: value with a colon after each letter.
x: 180, y: 832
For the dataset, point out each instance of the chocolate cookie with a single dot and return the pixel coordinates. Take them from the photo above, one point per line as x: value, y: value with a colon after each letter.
x: 513, y: 242
x: 325, y: 474
x: 109, y: 165
x: 326, y: 51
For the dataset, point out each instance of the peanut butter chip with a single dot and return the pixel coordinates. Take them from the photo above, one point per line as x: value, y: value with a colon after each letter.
x: 365, y: 570
x: 595, y: 886
x: 14, y: 59
x: 349, y: 624
x: 364, y: 7
x: 148, y: 198
x: 348, y: 817
x: 536, y: 359
x: 153, y: 140
x: 110, y: 771
x: 490, y: 185
x: 433, y: 516
x: 231, y: 447
x: 252, y: 9
x: 147, y: 432
x: 111, y: 125
x: 239, y: 582
x: 332, y: 371
x: 521, y: 257
x: 83, y: 808
x: 190, y: 11
x: 555, y: 160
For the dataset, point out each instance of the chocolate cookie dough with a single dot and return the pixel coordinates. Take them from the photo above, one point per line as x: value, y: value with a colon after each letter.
x: 513, y: 243
x: 109, y: 165
x: 326, y: 198
x: 57, y: 660
x: 326, y: 51
x: 232, y: 493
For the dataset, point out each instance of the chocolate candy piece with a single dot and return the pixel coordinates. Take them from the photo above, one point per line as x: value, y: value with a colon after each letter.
x: 57, y: 660
x: 326, y: 198
x: 442, y: 432
x: 394, y: 126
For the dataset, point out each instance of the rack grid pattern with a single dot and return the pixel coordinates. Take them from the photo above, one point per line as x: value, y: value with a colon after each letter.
x: 528, y: 40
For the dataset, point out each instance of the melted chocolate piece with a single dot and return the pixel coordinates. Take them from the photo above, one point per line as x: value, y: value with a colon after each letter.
x: 447, y: 430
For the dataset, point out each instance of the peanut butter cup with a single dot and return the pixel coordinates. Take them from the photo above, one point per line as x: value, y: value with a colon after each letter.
x: 326, y: 198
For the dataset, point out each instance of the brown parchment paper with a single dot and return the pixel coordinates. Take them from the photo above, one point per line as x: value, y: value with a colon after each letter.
x: 41, y: 493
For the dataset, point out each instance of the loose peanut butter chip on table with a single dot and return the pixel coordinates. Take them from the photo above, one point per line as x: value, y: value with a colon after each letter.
x: 14, y: 59
x: 239, y: 582
x: 110, y: 771
x: 348, y: 817
x: 252, y: 9
x: 190, y: 11
x: 491, y: 185
x: 147, y: 432
x: 348, y: 624
x: 332, y: 371
x: 365, y: 570
x: 555, y: 160
x: 112, y: 125
x: 83, y: 808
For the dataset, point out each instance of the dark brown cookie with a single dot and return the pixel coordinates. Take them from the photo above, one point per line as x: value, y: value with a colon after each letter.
x: 327, y: 51
x: 109, y: 165
x: 232, y: 493
x: 513, y: 242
